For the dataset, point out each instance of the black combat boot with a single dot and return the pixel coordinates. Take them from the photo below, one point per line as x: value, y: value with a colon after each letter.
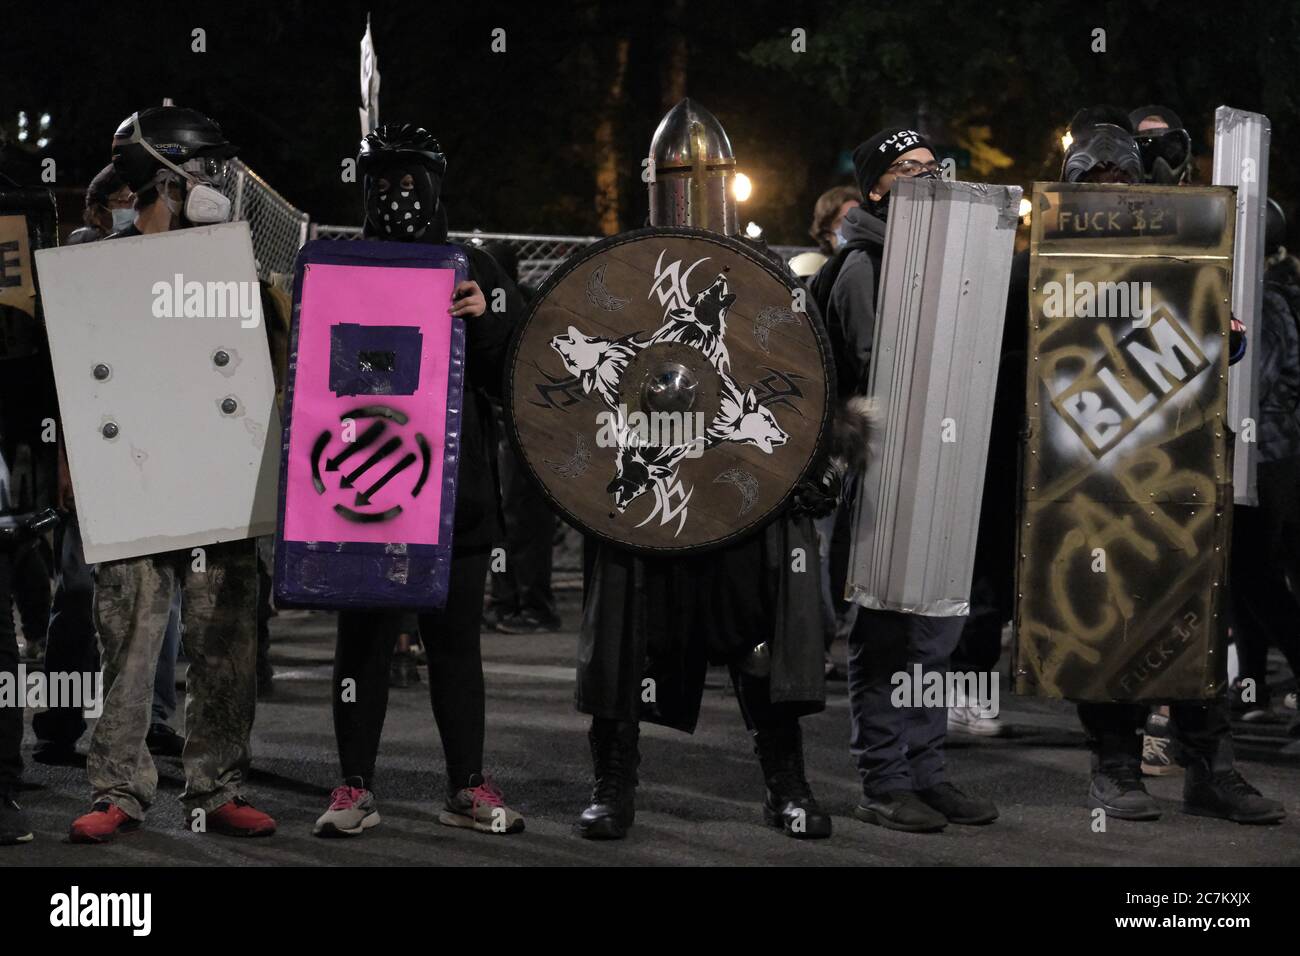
x: 789, y: 803
x: 615, y: 757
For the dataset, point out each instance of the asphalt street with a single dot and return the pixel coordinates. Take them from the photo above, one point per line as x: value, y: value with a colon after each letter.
x: 698, y: 803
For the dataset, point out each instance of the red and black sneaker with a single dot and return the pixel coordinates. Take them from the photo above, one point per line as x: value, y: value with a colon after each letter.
x: 239, y: 818
x: 104, y: 822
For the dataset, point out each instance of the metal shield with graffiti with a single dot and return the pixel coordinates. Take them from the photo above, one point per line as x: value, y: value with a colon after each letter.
x: 1127, y: 472
x: 668, y: 389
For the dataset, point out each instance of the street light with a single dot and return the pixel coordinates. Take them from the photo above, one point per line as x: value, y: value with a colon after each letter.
x: 741, y: 187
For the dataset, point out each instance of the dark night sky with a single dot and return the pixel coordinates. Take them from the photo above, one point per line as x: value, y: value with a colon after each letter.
x: 282, y: 79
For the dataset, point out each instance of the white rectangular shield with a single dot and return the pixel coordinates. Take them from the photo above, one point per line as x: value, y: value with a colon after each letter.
x: 934, y: 368
x: 1241, y: 159
x: 165, y: 389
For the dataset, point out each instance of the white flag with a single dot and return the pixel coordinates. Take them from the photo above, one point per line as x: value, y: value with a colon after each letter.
x: 369, y: 82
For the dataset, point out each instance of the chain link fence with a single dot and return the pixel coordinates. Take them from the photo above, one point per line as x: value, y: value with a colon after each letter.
x: 538, y: 255
x: 279, y: 229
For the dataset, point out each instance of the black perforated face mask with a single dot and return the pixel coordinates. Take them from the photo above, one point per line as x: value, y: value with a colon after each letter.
x: 401, y: 209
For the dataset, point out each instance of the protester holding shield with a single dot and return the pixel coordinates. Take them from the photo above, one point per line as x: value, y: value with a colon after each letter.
x: 402, y: 168
x: 70, y: 642
x: 173, y: 159
x: 644, y: 321
x: 899, y: 750
x: 1104, y: 150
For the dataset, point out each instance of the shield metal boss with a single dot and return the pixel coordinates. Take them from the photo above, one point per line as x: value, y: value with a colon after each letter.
x: 669, y: 389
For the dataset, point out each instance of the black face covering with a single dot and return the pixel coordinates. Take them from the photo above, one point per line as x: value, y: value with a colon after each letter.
x: 880, y: 207
x: 397, y: 213
x: 1102, y: 145
x: 1166, y: 155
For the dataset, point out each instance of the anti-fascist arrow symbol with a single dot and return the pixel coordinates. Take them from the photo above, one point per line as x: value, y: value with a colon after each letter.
x: 365, y: 439
x: 363, y: 498
x: 386, y: 449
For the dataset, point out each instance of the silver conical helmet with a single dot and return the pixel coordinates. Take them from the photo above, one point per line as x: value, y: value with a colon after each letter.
x: 693, y: 171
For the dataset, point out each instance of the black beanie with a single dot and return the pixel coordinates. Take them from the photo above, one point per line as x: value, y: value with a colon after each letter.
x: 872, y: 158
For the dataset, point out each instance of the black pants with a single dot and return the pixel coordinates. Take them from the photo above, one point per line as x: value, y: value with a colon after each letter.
x: 525, y: 583
x: 1114, y: 732
x: 754, y: 695
x: 980, y: 646
x: 11, y: 717
x: 71, y: 645
x: 1265, y: 553
x: 31, y: 587
x: 450, y: 637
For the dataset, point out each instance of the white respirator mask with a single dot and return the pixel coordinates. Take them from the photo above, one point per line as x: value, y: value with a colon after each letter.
x: 205, y: 204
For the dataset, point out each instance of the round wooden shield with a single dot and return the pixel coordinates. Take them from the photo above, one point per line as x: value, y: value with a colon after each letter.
x: 668, y: 389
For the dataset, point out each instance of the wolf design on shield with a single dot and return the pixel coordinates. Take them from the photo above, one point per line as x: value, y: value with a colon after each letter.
x: 697, y: 320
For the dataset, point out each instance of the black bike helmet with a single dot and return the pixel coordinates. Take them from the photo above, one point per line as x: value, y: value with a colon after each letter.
x: 168, y: 137
x: 397, y: 143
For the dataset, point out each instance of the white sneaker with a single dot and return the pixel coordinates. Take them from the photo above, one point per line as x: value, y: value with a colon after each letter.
x: 968, y: 719
x: 1289, y: 701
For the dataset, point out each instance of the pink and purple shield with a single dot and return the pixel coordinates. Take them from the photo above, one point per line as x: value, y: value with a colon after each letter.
x: 372, y: 402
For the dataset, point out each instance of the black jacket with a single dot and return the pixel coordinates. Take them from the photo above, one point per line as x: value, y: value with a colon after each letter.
x: 1279, y: 372
x: 479, y: 523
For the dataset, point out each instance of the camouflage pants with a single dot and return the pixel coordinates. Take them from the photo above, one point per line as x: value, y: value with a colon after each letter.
x: 219, y: 623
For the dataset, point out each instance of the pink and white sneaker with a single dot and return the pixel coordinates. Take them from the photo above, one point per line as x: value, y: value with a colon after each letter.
x: 481, y: 806
x: 352, y: 811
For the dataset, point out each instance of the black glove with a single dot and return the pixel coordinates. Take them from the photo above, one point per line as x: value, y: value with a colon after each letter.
x: 819, y: 496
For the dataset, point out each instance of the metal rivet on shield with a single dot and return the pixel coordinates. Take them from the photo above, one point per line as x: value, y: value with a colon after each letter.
x: 221, y: 359
x: 109, y: 430
x: 229, y: 405
x: 101, y: 372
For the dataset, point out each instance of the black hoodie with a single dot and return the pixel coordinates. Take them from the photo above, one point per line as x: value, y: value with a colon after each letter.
x: 852, y: 304
x: 479, y: 522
